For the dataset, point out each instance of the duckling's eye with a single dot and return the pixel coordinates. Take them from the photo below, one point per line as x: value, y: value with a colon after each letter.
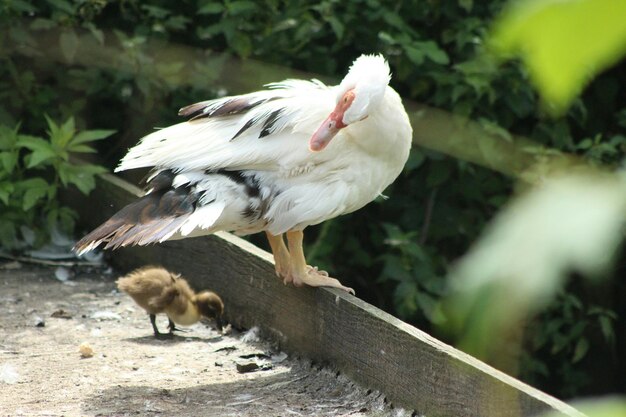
x: 345, y: 99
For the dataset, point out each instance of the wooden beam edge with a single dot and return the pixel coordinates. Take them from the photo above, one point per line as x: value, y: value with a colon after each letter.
x: 418, y: 334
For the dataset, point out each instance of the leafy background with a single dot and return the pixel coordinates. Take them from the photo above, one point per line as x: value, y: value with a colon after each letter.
x: 395, y: 253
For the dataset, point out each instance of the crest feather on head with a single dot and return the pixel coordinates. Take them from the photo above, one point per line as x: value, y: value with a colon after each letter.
x: 369, y: 76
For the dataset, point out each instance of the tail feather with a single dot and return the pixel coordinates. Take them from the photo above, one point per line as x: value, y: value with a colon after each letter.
x: 143, y: 234
x: 166, y: 231
x: 135, y: 234
x: 152, y: 218
x: 189, y: 203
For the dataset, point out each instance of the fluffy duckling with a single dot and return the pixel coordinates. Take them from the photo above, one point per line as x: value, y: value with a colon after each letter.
x: 157, y: 290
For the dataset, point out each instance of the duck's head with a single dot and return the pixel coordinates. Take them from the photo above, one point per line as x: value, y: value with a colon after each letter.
x: 360, y: 93
x: 210, y: 305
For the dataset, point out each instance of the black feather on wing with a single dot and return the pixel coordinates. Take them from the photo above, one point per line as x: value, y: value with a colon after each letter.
x: 228, y: 107
x: 236, y: 106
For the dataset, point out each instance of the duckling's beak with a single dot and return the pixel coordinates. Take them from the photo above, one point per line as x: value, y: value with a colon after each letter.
x: 208, y: 321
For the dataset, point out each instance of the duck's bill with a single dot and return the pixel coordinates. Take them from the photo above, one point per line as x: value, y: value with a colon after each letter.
x: 326, y: 132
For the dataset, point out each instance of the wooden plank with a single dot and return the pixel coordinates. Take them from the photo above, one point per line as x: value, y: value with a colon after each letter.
x: 411, y: 368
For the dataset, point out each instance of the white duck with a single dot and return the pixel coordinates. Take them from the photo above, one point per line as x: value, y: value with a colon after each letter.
x: 277, y: 160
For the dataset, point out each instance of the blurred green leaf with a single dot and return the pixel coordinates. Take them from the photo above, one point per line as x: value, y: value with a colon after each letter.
x: 606, y: 326
x: 39, y: 156
x: 241, y: 44
x: 569, y: 223
x: 90, y: 136
x: 34, y: 190
x: 466, y: 4
x: 81, y: 149
x: 63, y: 5
x: 429, y: 307
x: 95, y: 32
x: 68, y: 42
x: 6, y: 188
x: 211, y: 8
x: 9, y: 160
x: 82, y: 176
x: 8, y: 138
x: 66, y: 133
x: 336, y: 25
x: 394, y: 269
x: 581, y: 349
x: 393, y: 19
x: 33, y: 143
x: 433, y: 52
x: 564, y: 43
x: 22, y: 6
x: 156, y: 11
x: 416, y: 55
x: 241, y: 6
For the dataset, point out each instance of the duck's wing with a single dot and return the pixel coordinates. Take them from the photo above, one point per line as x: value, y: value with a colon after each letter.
x: 165, y: 299
x: 262, y: 130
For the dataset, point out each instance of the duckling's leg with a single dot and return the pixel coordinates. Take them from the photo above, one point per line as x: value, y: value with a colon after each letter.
x: 282, y: 260
x: 154, y: 326
x: 301, y: 273
x: 172, y: 327
x: 158, y: 334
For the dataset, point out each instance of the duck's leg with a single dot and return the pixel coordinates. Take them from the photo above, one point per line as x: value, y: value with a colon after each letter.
x: 282, y: 260
x: 303, y: 274
x: 158, y: 334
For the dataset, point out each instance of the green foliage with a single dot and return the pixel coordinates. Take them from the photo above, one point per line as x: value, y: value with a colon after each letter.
x: 563, y: 43
x: 32, y: 170
x: 563, y: 334
x: 417, y: 286
x: 395, y: 253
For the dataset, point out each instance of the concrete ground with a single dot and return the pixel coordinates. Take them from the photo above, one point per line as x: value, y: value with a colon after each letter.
x: 47, y: 313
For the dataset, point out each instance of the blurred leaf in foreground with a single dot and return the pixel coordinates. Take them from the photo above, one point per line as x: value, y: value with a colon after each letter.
x: 564, y: 43
x: 569, y: 223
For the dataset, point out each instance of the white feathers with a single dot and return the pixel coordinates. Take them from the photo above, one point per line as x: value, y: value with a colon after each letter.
x: 213, y: 143
x: 369, y: 76
x: 189, y: 177
x: 243, y: 164
x: 292, y: 209
x: 368, y: 71
x: 203, y: 218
